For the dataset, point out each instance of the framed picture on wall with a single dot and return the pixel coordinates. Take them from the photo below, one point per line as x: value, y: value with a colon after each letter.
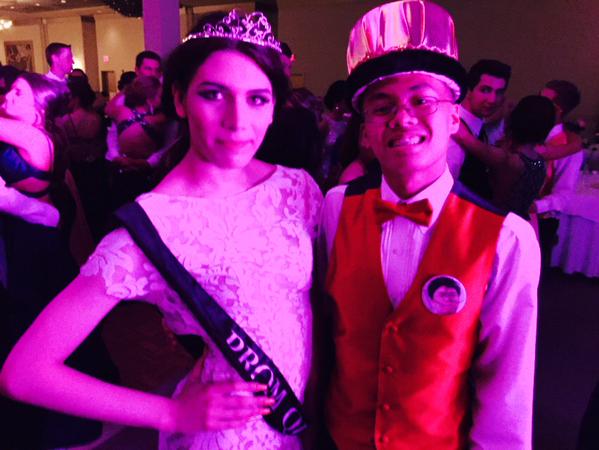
x: 20, y: 54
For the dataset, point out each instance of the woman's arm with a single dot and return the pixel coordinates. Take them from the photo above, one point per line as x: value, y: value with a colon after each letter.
x: 33, y: 144
x: 556, y: 151
x: 35, y: 372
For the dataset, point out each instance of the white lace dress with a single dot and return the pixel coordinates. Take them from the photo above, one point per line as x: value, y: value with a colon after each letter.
x: 252, y: 252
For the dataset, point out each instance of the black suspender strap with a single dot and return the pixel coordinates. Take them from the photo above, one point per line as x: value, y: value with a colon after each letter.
x: 244, y: 355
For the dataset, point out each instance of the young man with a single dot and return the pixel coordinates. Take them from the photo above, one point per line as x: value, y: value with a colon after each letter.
x: 60, y: 59
x: 406, y: 376
x: 149, y: 64
x: 488, y: 80
x: 563, y: 172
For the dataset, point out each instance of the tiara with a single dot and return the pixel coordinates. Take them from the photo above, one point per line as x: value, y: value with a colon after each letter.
x: 252, y: 28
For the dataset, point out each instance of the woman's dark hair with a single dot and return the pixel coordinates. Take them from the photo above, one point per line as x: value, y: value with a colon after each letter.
x: 141, y: 90
x: 185, y: 60
x: 126, y: 79
x: 531, y: 120
x: 81, y: 90
x: 8, y: 75
x: 51, y: 98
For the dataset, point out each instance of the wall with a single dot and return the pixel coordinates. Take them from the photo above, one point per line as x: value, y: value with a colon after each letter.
x: 540, y: 39
x: 119, y: 40
x: 25, y: 33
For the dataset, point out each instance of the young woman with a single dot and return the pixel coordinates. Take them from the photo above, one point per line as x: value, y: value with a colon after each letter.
x: 26, y: 120
x: 241, y: 227
x: 517, y: 171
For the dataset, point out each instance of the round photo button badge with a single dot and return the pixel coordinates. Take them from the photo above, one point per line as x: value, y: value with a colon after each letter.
x: 444, y: 295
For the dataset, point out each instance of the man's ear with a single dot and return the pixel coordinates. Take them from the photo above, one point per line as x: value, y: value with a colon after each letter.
x: 178, y: 100
x: 363, y: 137
x: 454, y: 118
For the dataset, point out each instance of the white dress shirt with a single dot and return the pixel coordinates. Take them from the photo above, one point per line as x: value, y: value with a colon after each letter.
x: 52, y: 76
x: 503, y: 369
x: 455, y: 153
x: 565, y: 178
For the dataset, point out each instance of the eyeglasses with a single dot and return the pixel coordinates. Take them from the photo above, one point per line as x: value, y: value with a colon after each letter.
x: 381, y: 111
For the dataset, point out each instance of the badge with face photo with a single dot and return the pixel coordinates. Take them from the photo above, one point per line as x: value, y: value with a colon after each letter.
x: 444, y: 295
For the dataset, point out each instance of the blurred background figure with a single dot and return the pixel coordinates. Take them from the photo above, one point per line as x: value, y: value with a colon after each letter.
x: 37, y: 220
x: 141, y: 133
x: 60, y: 59
x: 332, y: 127
x: 516, y: 170
x: 83, y: 136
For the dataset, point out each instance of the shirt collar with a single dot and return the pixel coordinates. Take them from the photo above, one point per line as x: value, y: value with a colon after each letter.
x: 436, y: 193
x: 474, y: 123
x: 55, y: 77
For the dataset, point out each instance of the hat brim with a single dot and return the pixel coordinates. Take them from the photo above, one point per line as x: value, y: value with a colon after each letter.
x: 404, y: 61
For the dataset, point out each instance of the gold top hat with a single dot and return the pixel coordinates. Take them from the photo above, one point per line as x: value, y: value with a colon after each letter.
x: 405, y: 36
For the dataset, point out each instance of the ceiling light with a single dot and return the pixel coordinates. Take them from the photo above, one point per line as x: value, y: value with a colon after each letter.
x: 5, y: 24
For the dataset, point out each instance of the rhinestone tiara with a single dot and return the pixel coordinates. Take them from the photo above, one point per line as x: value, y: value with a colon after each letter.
x: 237, y: 25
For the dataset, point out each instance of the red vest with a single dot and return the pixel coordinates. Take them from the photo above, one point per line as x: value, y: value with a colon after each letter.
x: 401, y: 376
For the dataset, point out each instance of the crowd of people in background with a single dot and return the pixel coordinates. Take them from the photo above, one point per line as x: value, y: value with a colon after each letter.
x: 70, y: 158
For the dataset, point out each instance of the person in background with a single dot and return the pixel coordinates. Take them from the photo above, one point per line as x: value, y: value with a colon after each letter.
x: 516, y: 170
x: 243, y: 228
x: 563, y: 172
x: 410, y: 370
x: 294, y: 138
x: 149, y: 64
x: 332, y: 128
x: 60, y: 59
x: 35, y: 261
x: 488, y: 80
x: 83, y: 134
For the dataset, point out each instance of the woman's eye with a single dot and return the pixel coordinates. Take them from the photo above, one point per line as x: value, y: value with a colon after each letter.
x: 259, y: 100
x: 212, y: 94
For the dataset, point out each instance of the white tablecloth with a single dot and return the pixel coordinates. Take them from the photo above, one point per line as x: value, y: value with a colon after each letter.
x: 577, y: 250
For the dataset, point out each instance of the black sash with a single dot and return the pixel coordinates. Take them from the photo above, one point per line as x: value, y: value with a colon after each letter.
x: 244, y: 355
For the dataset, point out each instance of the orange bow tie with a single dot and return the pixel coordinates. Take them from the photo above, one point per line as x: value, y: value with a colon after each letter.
x: 420, y: 212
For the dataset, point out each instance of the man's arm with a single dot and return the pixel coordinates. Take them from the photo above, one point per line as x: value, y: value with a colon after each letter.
x: 503, y: 371
x: 556, y: 151
x: 567, y: 171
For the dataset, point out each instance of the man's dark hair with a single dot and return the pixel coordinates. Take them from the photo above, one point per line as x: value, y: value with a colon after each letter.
x: 54, y: 49
x: 567, y: 95
x: 146, y: 54
x: 443, y: 281
x: 531, y: 120
x: 488, y: 67
x: 335, y: 93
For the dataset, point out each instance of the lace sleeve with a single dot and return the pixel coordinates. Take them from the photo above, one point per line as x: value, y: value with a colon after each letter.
x: 313, y: 199
x: 125, y: 270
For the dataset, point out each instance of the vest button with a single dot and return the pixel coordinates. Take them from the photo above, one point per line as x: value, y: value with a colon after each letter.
x: 385, y: 406
x: 388, y: 369
x: 392, y: 329
x: 384, y: 439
